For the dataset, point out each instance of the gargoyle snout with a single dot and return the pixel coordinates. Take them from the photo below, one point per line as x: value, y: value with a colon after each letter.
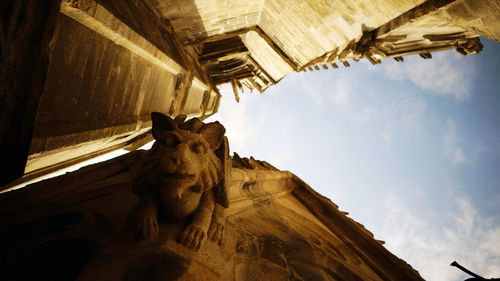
x: 177, y: 160
x: 172, y: 165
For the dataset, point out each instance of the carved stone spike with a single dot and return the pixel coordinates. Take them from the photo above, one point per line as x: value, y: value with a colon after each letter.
x: 399, y: 59
x: 235, y: 90
x: 425, y: 56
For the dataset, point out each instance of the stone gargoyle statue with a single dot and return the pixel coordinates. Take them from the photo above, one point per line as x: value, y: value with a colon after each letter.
x: 179, y: 180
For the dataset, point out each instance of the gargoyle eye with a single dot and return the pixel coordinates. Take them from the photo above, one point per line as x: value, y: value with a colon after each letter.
x: 170, y: 140
x: 198, y: 148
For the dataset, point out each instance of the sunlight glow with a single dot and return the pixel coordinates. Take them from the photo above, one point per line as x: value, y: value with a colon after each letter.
x: 101, y: 158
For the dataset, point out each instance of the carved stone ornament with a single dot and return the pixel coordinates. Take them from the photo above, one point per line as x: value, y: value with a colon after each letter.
x: 179, y: 180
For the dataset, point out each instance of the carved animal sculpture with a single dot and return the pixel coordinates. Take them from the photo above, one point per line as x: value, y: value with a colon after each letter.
x: 178, y: 179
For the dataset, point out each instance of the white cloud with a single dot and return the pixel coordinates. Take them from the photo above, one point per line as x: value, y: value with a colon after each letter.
x: 388, y: 113
x: 280, y: 157
x: 313, y: 85
x: 346, y: 95
x: 363, y: 114
x: 240, y: 126
x: 451, y: 147
x: 340, y: 96
x: 244, y: 125
x: 444, y: 75
x: 459, y: 157
x: 431, y: 245
x: 384, y: 110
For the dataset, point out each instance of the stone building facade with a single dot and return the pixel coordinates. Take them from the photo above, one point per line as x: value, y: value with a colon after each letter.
x: 80, y: 78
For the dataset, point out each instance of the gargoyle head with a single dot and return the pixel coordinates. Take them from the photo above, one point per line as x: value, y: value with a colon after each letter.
x: 184, y: 152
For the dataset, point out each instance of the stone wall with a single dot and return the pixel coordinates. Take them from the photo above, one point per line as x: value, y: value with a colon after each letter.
x: 106, y: 72
x: 80, y: 226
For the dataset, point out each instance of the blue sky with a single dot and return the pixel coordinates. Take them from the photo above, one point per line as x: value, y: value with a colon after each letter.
x: 411, y: 150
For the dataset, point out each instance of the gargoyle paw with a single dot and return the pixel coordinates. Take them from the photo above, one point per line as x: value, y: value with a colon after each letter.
x: 193, y: 236
x: 216, y: 232
x: 148, y: 228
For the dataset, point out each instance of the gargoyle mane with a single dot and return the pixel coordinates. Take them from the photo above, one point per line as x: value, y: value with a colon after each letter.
x: 184, y: 147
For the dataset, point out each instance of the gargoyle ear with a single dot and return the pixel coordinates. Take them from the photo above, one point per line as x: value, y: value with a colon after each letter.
x: 161, y: 124
x: 213, y: 134
x: 193, y: 125
x: 179, y: 119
